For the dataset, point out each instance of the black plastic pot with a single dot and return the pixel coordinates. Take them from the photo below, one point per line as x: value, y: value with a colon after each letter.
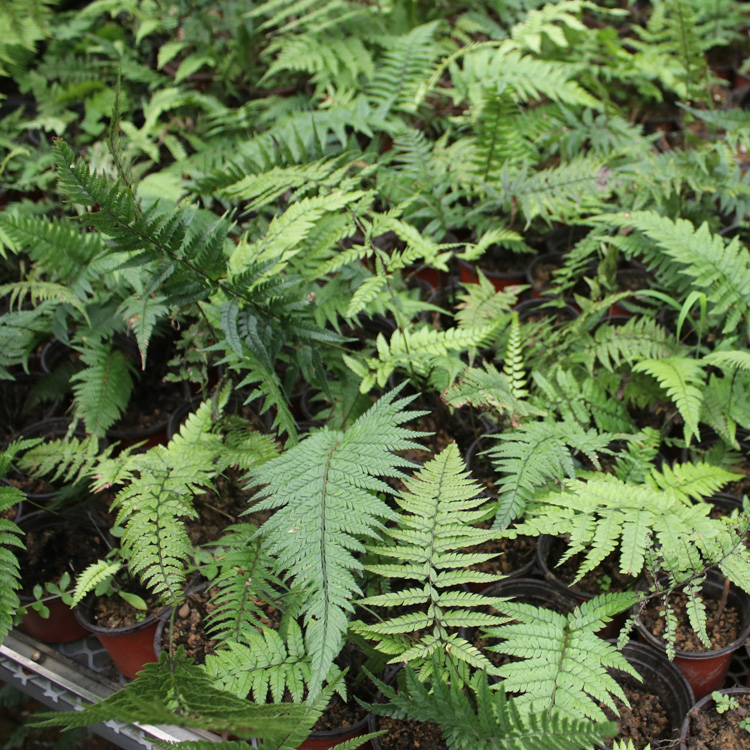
x: 662, y: 678
x: 544, y: 548
x: 701, y: 705
x: 535, y: 592
x: 706, y: 671
x: 540, y: 306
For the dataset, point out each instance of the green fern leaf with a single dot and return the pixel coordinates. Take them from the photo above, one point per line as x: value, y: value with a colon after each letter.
x: 102, y: 388
x: 316, y: 487
x: 563, y: 661
x: 682, y: 379
x: 439, y: 507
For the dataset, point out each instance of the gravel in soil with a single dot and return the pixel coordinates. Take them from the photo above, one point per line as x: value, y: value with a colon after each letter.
x: 710, y: 730
x: 115, y: 612
x: 645, y: 721
x: 721, y: 630
x: 404, y: 734
x: 339, y: 715
x: 188, y: 626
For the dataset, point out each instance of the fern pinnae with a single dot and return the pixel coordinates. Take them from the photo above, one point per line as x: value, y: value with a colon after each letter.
x: 439, y: 506
x: 323, y: 490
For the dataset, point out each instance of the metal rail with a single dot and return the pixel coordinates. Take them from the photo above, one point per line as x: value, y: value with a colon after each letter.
x: 66, y: 685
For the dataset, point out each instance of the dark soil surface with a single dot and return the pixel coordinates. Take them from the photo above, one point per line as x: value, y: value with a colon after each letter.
x: 513, y: 554
x: 339, y: 715
x: 220, y: 509
x: 604, y: 578
x: 149, y: 407
x: 644, y: 722
x: 52, y: 551
x: 710, y: 730
x: 721, y: 631
x: 115, y: 612
x: 404, y: 734
x: 188, y: 626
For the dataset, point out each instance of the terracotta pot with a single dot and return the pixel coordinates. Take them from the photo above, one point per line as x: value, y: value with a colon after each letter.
x: 706, y: 671
x: 544, y: 549
x: 129, y: 647
x: 61, y: 626
x: 702, y: 704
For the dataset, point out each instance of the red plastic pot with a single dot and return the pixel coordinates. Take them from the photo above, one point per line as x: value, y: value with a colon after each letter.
x: 129, y: 647
x: 699, y: 706
x: 60, y: 627
x: 544, y: 548
x: 706, y: 671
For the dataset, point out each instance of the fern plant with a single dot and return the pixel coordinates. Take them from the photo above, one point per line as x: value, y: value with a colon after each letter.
x: 438, y: 505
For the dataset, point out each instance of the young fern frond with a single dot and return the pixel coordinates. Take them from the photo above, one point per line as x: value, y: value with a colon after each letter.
x: 484, y: 719
x: 246, y: 581
x: 563, y: 660
x: 682, y: 378
x: 323, y: 491
x: 92, y: 576
x: 513, y: 368
x: 102, y: 388
x: 439, y: 506
x: 530, y: 458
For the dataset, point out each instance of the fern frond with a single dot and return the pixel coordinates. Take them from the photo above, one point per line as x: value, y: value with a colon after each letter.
x: 699, y: 257
x: 484, y: 719
x: 246, y: 581
x: 530, y: 458
x: 262, y: 665
x: 583, y: 400
x: 10, y: 573
x: 406, y: 62
x: 102, y: 388
x: 175, y: 691
x: 603, y: 512
x: 439, y: 506
x: 70, y: 460
x: 513, y: 368
x: 682, y: 379
x: 92, y: 576
x: 488, y: 388
x: 164, y: 481
x: 690, y: 481
x: 563, y: 661
x: 324, y: 492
